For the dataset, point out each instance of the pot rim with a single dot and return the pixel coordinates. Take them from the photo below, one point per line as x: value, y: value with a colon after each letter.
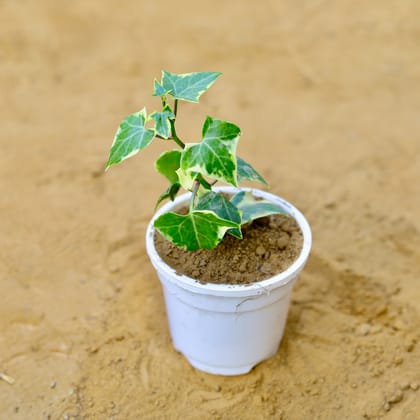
x: 251, y: 289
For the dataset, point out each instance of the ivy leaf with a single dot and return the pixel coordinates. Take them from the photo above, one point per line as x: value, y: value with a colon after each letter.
x: 159, y: 90
x: 215, y: 156
x: 162, y: 121
x: 131, y: 137
x: 222, y: 207
x: 170, y: 193
x: 248, y: 173
x: 252, y: 208
x: 168, y: 163
x: 214, y: 129
x: 187, y: 87
x: 198, y: 229
x: 186, y: 178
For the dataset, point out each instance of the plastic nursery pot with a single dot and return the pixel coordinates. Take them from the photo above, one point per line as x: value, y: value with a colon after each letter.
x: 227, y: 329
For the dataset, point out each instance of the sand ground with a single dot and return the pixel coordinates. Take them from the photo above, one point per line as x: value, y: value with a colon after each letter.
x: 327, y: 96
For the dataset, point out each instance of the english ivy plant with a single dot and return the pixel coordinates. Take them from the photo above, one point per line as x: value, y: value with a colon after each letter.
x: 194, y: 166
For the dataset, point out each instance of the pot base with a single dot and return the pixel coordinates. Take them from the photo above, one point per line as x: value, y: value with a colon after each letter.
x: 216, y: 370
x: 222, y: 370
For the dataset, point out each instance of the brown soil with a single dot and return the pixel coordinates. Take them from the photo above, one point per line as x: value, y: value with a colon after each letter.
x: 269, y: 246
x: 326, y: 95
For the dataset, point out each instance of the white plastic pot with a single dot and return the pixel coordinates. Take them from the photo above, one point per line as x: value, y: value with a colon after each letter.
x: 227, y: 329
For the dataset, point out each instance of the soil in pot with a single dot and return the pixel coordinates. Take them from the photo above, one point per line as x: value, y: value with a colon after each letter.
x: 269, y: 246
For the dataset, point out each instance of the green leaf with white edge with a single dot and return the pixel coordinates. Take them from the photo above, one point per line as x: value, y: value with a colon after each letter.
x: 170, y: 193
x: 162, y: 121
x: 188, y: 86
x: 220, y: 205
x: 159, y: 90
x: 186, y: 178
x: 253, y: 208
x: 131, y: 137
x: 196, y: 230
x: 247, y: 173
x: 215, y: 156
x: 215, y: 129
x: 168, y: 163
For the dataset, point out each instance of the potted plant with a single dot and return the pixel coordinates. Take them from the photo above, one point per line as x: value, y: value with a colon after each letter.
x: 226, y: 325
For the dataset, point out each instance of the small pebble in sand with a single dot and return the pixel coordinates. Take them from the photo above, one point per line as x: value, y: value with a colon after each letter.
x: 330, y: 204
x: 7, y: 378
x: 414, y: 386
x: 260, y: 251
x: 409, y: 346
x: 404, y: 385
x: 242, y: 267
x: 288, y: 226
x: 53, y: 384
x: 364, y: 329
x: 203, y: 263
x: 396, y: 397
x: 398, y: 360
x: 266, y: 268
x: 283, y: 241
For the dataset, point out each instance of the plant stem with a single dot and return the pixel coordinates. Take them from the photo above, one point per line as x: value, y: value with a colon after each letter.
x: 175, y: 107
x: 175, y: 138
x: 194, y: 193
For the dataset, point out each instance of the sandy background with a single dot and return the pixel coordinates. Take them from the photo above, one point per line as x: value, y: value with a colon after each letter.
x: 327, y: 95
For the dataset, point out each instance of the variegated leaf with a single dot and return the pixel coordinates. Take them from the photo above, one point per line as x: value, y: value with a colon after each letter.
x: 253, y: 208
x: 131, y: 137
x: 170, y: 193
x: 220, y: 205
x: 215, y: 156
x: 187, y: 87
x: 196, y: 230
x: 159, y: 90
x: 162, y: 121
x: 168, y: 163
x: 247, y: 173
